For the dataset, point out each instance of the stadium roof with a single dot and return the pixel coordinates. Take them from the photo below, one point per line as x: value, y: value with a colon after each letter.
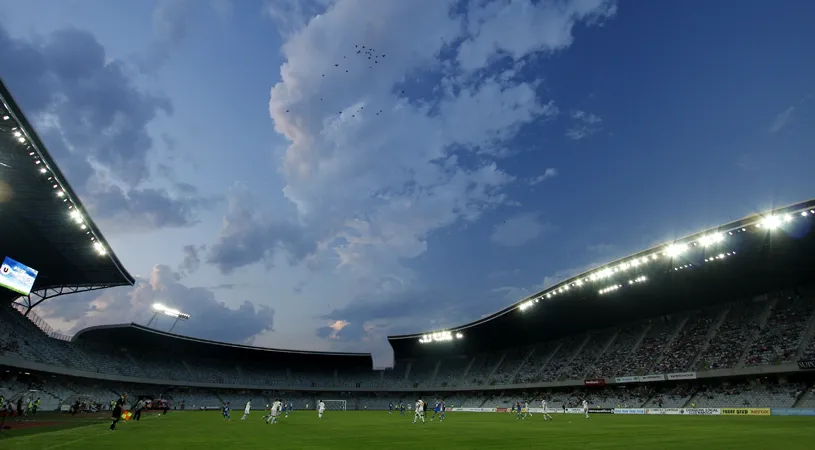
x: 141, y: 338
x: 751, y: 256
x: 44, y: 224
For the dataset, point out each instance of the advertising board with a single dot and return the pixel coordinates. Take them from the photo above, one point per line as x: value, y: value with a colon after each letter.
x: 595, y: 382
x: 806, y: 364
x: 746, y: 411
x: 601, y: 411
x: 701, y: 411
x: 478, y: 409
x: 663, y: 411
x: 681, y: 376
x: 640, y: 379
x: 629, y: 411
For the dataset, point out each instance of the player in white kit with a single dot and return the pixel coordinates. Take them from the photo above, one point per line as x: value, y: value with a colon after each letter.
x: 320, y: 409
x: 419, y: 411
x: 246, y: 410
x: 275, y: 411
x: 546, y: 415
x: 586, y: 408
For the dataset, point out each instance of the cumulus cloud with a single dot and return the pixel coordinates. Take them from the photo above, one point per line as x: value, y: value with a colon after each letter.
x: 248, y: 236
x: 521, y: 27
x: 94, y: 120
x: 291, y: 16
x: 518, y: 230
x: 547, y: 174
x: 583, y: 125
x: 192, y: 259
x: 376, y: 162
x: 210, y: 319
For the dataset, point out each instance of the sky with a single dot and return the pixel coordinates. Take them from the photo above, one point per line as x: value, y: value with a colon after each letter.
x: 319, y: 174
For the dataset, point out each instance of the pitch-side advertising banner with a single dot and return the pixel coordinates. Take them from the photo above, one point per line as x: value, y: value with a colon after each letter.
x: 478, y: 409
x: 629, y: 411
x: 701, y: 411
x: 601, y: 410
x: 746, y: 412
x: 681, y: 376
x: 792, y: 412
x: 595, y: 382
x: 663, y: 411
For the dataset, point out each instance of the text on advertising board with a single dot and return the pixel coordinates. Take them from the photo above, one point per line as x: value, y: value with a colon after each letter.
x: 746, y: 412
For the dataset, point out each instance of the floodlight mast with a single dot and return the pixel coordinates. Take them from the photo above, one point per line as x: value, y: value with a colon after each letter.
x: 158, y: 308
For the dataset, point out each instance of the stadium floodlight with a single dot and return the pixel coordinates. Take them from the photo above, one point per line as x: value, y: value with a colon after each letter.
x: 6, y: 117
x: 771, y: 222
x: 610, y: 289
x: 526, y: 305
x: 159, y: 309
x: 459, y: 335
x: 439, y: 336
x: 803, y: 213
x: 99, y: 248
x: 674, y: 250
x: 711, y: 239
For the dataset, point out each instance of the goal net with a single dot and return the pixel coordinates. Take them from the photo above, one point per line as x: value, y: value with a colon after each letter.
x: 335, y: 405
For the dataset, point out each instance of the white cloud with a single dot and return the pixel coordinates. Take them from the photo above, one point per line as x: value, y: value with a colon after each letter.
x: 521, y: 27
x: 583, y: 125
x: 370, y: 165
x: 208, y: 315
x: 782, y: 120
x: 547, y: 174
x: 517, y: 230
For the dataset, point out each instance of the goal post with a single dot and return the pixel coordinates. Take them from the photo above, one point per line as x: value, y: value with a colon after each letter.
x: 335, y: 405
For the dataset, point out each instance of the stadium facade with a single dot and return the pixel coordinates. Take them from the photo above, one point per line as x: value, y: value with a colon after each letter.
x: 732, y: 303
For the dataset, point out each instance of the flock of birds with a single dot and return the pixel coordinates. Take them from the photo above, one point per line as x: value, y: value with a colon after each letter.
x: 373, y: 58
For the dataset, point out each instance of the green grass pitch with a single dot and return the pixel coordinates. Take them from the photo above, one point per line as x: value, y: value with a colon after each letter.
x: 379, y: 430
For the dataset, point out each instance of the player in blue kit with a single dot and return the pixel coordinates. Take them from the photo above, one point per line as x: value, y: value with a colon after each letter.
x: 401, y: 409
x: 225, y: 413
x: 436, y: 410
x: 390, y: 408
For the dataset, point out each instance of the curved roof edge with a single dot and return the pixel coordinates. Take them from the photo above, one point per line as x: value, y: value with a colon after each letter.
x: 145, y: 329
x: 752, y: 219
x: 39, y: 147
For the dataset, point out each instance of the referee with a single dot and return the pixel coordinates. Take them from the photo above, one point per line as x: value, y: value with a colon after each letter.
x: 117, y: 411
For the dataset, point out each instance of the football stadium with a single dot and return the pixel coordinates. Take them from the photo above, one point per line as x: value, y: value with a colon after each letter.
x: 704, y: 342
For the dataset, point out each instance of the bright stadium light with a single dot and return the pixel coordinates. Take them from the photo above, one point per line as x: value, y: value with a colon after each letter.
x: 459, y: 335
x: 99, y: 248
x: 159, y: 309
x: 439, y: 336
x: 526, y: 305
x: 674, y: 250
x: 771, y: 222
x: 711, y: 239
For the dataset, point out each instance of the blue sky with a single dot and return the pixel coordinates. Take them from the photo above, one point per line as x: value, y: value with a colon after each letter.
x: 486, y: 149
